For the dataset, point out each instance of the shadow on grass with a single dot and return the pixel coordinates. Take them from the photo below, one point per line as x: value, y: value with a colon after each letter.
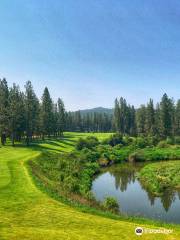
x: 57, y: 145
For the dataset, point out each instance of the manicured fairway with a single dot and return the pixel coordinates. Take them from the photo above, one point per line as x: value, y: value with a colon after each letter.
x: 27, y: 213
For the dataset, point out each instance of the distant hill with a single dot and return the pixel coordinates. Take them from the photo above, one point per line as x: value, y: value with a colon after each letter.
x: 97, y: 110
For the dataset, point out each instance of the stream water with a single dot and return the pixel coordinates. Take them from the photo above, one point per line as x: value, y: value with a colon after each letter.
x: 120, y: 182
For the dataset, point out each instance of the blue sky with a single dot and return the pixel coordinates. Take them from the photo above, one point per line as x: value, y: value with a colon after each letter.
x: 89, y: 52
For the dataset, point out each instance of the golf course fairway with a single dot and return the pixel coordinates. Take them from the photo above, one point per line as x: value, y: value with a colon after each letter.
x: 28, y: 213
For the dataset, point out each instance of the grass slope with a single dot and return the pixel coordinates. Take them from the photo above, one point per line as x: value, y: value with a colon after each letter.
x: 27, y: 213
x: 160, y: 176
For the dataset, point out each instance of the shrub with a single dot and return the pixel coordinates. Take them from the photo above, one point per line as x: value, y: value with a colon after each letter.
x: 115, y: 139
x: 170, y: 140
x: 81, y: 143
x: 136, y: 156
x: 163, y: 144
x: 140, y: 142
x: 127, y: 140
x: 90, y: 196
x: 152, y: 140
x: 111, y: 204
x: 71, y: 184
x: 103, y: 162
x: 89, y: 155
x: 177, y: 140
x: 88, y: 142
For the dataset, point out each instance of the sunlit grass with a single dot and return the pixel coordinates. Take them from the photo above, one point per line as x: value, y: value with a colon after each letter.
x: 27, y: 213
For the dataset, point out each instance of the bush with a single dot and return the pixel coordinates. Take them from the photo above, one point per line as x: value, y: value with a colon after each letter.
x: 115, y: 139
x: 89, y: 155
x: 170, y: 140
x: 163, y: 144
x: 88, y: 142
x: 140, y: 142
x: 71, y: 184
x: 90, y: 196
x: 111, y: 204
x: 177, y: 140
x: 152, y: 141
x: 127, y: 140
x: 136, y: 156
x: 103, y: 162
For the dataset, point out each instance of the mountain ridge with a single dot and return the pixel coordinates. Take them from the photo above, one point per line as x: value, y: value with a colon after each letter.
x: 97, y: 110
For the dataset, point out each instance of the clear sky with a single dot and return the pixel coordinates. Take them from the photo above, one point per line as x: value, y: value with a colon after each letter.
x: 89, y: 52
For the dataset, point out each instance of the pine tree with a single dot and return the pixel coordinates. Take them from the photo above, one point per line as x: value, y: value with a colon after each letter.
x: 46, y: 113
x: 177, y: 118
x: 157, y: 121
x: 150, y: 118
x: 16, y: 113
x: 117, y: 115
x: 61, y: 116
x: 4, y: 93
x: 31, y: 111
x: 132, y: 130
x: 141, y: 120
x: 166, y: 114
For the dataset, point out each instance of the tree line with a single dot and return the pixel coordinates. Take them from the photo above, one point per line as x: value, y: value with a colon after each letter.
x: 162, y: 120
x: 89, y: 122
x: 24, y: 117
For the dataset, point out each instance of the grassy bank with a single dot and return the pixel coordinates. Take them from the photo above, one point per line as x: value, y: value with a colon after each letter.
x: 28, y: 213
x: 159, y: 177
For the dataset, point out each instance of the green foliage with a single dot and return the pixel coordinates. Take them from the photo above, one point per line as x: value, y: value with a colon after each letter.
x: 24, y: 117
x: 115, y: 139
x: 177, y: 140
x: 163, y: 144
x: 88, y: 142
x: 30, y: 210
x: 72, y: 170
x: 170, y: 140
x: 158, y: 177
x: 111, y: 204
x: 136, y: 156
x: 140, y: 142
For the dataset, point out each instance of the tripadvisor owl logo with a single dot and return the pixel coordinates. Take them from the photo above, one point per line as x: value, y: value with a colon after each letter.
x: 139, y: 231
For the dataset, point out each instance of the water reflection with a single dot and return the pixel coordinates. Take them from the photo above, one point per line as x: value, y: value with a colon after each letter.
x: 121, y: 182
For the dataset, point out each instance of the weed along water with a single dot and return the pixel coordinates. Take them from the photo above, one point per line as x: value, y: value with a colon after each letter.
x: 121, y: 182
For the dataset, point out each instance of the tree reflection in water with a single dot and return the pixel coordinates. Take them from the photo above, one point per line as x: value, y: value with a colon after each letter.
x: 126, y: 174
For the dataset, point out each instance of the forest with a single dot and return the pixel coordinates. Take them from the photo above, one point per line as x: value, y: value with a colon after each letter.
x: 70, y: 156
x: 24, y: 117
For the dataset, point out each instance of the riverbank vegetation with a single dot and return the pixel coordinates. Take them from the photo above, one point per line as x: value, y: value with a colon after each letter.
x: 147, y: 133
x: 71, y: 174
x: 159, y: 177
x: 30, y: 211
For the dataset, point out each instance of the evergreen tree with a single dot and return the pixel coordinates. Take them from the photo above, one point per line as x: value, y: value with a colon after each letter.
x: 166, y: 114
x: 141, y: 120
x: 78, y: 121
x: 157, y: 121
x: 117, y: 115
x: 61, y: 116
x: 132, y: 130
x: 31, y: 111
x: 177, y: 118
x: 46, y: 114
x: 150, y: 118
x: 16, y: 113
x: 4, y: 93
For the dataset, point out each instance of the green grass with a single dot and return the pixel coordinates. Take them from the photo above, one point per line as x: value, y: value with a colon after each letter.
x: 157, y: 154
x: 28, y: 213
x: 161, y: 176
